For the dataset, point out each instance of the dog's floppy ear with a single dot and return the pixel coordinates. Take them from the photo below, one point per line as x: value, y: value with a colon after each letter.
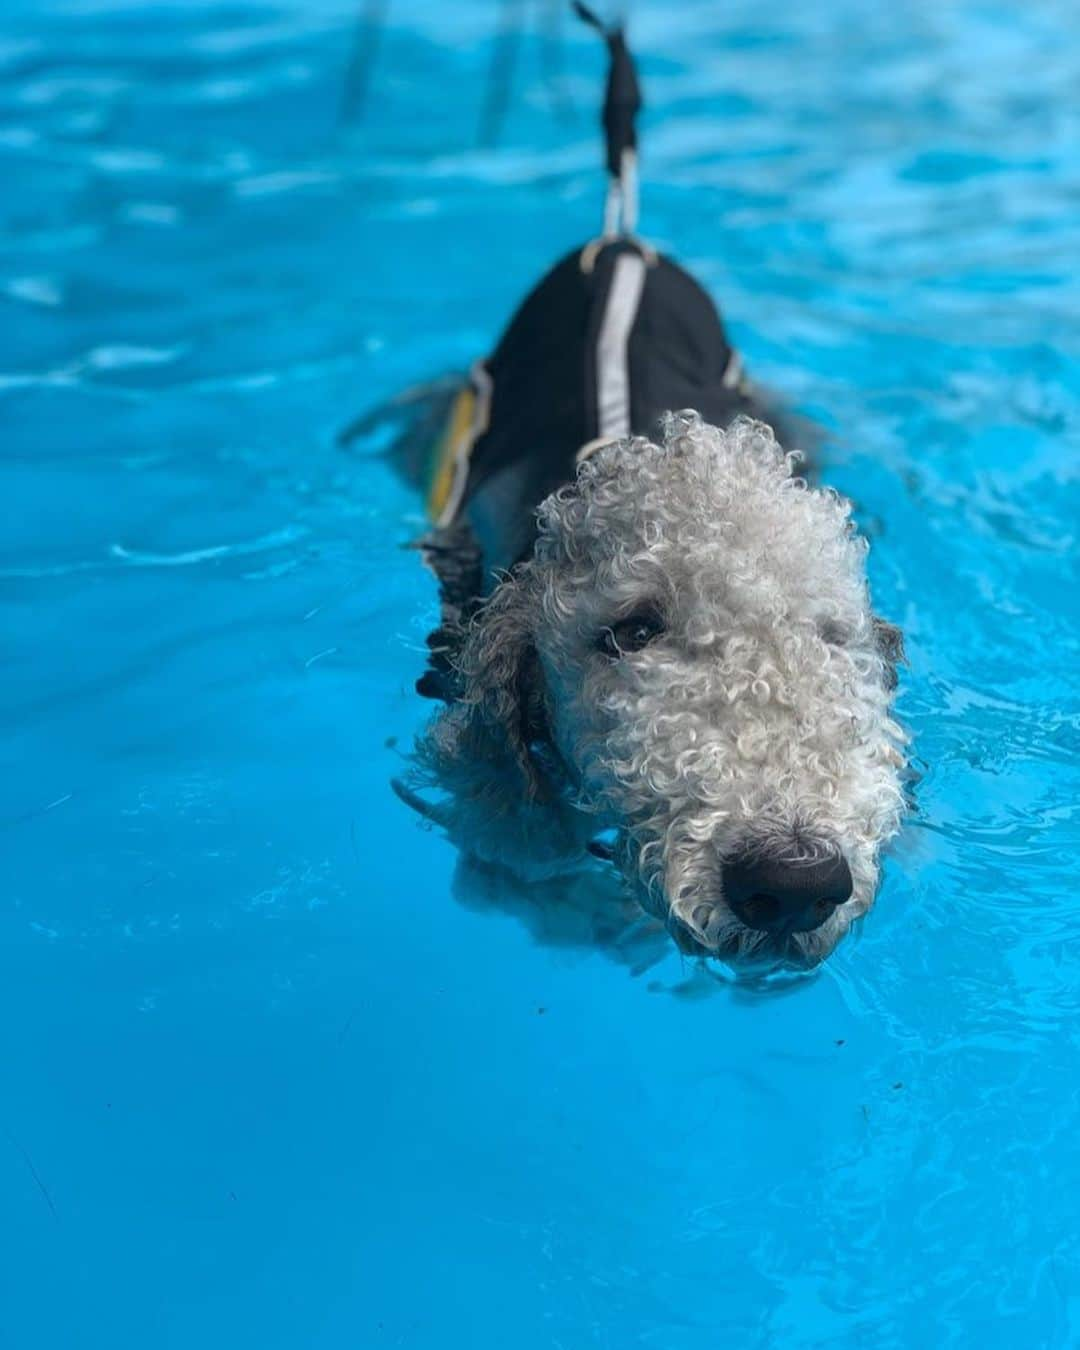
x: 889, y: 641
x: 487, y: 742
x: 490, y: 752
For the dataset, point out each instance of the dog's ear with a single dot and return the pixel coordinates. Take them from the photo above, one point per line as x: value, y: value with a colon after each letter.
x: 490, y: 752
x: 889, y: 641
x: 492, y: 739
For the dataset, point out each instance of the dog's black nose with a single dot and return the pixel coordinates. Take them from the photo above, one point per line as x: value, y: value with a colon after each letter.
x: 786, y: 897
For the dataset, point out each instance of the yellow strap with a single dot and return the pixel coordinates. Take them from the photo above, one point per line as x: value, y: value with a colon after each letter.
x: 459, y: 429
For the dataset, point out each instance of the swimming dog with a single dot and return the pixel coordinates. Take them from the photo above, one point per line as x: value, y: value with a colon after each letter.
x: 654, y: 631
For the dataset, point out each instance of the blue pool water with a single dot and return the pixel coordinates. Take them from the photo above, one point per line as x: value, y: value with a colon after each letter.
x: 272, y: 1077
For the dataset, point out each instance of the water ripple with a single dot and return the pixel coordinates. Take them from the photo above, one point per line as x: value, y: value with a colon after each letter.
x: 143, y: 558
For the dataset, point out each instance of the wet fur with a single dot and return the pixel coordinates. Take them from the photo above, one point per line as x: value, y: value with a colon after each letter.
x: 759, y: 719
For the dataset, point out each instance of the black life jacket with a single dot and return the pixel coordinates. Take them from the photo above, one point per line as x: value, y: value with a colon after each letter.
x: 610, y: 339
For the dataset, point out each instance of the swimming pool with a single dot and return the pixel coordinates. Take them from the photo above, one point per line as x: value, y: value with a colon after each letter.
x: 271, y: 1077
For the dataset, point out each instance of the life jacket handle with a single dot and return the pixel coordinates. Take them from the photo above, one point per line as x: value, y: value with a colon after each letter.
x: 622, y: 103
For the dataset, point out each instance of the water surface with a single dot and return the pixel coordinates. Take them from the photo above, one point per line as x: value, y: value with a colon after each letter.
x: 272, y: 1077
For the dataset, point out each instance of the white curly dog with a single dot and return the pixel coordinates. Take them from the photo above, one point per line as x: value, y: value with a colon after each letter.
x: 690, y: 658
x: 666, y: 643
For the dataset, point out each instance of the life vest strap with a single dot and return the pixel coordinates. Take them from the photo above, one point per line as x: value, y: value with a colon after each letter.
x: 466, y: 422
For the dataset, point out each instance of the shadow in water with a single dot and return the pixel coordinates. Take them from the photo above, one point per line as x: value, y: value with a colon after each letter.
x: 587, y: 910
x: 591, y: 911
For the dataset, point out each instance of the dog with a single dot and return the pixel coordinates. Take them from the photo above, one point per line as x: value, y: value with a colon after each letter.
x: 657, y: 642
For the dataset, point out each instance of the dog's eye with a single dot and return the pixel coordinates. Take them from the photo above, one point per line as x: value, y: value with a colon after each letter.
x: 632, y: 633
x: 835, y: 634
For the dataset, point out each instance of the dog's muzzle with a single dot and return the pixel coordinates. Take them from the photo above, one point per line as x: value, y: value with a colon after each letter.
x: 782, y: 897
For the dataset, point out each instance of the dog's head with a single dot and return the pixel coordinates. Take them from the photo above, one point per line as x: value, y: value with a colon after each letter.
x: 689, y: 658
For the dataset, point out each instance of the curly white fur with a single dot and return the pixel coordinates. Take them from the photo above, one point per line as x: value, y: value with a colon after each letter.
x: 759, y: 719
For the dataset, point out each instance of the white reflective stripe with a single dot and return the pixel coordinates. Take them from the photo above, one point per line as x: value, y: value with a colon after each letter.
x: 612, y: 365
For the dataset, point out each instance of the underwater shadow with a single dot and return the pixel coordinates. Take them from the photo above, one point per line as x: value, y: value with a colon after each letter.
x: 590, y: 911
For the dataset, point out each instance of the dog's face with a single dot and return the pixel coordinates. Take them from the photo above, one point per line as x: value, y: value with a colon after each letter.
x: 701, y: 658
